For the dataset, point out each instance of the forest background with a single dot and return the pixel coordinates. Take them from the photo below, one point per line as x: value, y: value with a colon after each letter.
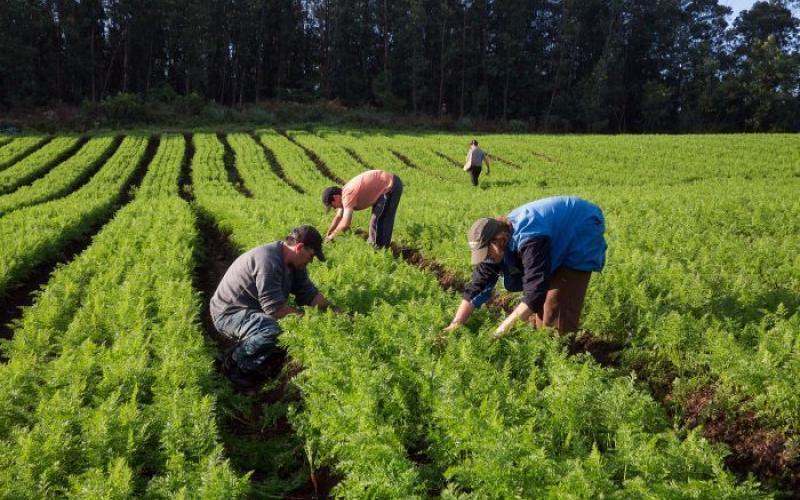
x: 607, y: 66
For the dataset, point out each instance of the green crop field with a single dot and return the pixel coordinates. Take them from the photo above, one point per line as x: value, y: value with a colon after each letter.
x: 680, y: 384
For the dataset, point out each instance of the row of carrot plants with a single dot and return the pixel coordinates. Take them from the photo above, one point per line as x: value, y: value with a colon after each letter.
x: 63, y: 178
x: 37, y: 234
x: 18, y: 148
x: 632, y: 160
x: 40, y: 161
x: 106, y: 390
x: 398, y: 416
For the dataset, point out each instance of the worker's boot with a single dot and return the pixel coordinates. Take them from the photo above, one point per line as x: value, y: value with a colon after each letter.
x: 239, y: 377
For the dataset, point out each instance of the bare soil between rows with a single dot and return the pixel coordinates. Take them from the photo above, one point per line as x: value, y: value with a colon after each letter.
x: 248, y: 424
x: 316, y: 160
x: 276, y: 166
x: 754, y: 448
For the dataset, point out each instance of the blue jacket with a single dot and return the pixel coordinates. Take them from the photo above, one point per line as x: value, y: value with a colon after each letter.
x: 574, y: 226
x: 546, y: 234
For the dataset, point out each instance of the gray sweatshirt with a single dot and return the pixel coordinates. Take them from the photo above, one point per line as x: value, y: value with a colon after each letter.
x: 260, y: 279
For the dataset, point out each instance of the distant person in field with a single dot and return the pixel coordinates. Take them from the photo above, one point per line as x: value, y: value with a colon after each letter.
x: 254, y: 294
x: 374, y: 189
x: 474, y: 162
x: 546, y: 249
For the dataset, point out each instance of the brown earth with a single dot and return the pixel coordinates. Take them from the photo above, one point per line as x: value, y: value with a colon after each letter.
x: 754, y: 448
x: 229, y: 160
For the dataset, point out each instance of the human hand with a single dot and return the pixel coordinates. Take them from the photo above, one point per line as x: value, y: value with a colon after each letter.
x: 441, y: 340
x: 452, y: 327
x: 499, y: 334
x: 504, y: 327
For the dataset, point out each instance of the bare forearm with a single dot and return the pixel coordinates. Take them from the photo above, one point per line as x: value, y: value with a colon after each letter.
x: 342, y: 227
x: 463, y: 313
x: 334, y: 225
x: 522, y: 311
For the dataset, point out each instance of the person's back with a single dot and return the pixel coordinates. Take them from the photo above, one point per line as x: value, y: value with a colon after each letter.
x: 474, y: 162
x: 363, y: 190
x: 377, y: 189
x: 477, y: 157
x: 250, y: 282
x: 559, y: 218
x: 546, y: 249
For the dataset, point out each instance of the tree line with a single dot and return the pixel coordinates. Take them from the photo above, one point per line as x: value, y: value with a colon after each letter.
x: 559, y: 65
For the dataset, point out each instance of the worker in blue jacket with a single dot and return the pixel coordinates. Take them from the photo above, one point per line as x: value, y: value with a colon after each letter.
x: 546, y: 249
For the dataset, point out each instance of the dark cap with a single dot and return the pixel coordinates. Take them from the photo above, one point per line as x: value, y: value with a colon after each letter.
x: 479, y: 236
x: 328, y: 194
x: 310, y: 237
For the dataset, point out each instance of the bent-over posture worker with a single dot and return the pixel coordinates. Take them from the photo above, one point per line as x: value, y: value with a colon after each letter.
x: 254, y: 293
x: 474, y: 162
x: 547, y: 249
x: 374, y: 188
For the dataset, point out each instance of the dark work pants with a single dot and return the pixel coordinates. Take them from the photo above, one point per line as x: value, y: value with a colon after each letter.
x: 381, y: 224
x: 562, y: 307
x: 564, y: 302
x: 475, y: 172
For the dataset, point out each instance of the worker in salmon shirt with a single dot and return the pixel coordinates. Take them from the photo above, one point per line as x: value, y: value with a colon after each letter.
x: 376, y: 189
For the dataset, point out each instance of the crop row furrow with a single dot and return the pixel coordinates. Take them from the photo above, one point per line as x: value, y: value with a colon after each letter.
x: 335, y: 157
x: 37, y: 234
x: 64, y: 177
x: 19, y: 148
x: 229, y: 159
x: 275, y: 164
x: 295, y: 162
x: 258, y: 168
x: 39, y: 162
x: 230, y: 222
x: 104, y: 393
x: 314, y: 157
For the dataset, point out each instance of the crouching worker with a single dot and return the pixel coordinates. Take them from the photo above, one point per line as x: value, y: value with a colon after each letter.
x: 546, y: 249
x: 374, y: 188
x: 253, y: 295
